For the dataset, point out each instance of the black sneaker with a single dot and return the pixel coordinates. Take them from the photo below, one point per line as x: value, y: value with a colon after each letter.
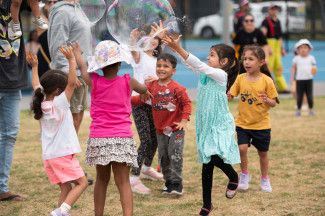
x: 177, y: 189
x: 167, y: 188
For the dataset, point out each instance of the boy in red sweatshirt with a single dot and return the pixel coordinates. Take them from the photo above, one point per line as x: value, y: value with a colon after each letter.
x: 171, y: 109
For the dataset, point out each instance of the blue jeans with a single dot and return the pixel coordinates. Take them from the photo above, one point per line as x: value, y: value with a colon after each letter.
x: 9, y: 126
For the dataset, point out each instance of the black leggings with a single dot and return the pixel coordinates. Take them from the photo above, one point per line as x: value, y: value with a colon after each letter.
x: 304, y: 87
x: 147, y: 133
x: 207, y: 178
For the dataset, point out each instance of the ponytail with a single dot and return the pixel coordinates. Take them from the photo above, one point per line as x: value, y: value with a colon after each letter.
x: 232, y: 74
x: 265, y: 70
x: 38, y: 97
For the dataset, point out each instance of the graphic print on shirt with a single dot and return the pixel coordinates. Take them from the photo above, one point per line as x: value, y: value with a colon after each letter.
x: 166, y: 101
x: 8, y: 43
x: 249, y: 98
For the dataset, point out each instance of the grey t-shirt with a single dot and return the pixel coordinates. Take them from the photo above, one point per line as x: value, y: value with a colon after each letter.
x: 67, y: 23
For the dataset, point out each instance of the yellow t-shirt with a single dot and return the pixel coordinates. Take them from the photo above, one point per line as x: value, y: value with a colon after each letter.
x: 252, y: 112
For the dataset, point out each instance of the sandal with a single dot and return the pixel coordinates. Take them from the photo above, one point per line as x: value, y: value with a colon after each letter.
x: 231, y: 193
x: 205, y: 211
x: 12, y: 197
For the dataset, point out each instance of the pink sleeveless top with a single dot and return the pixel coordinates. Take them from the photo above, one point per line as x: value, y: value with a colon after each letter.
x: 110, y: 107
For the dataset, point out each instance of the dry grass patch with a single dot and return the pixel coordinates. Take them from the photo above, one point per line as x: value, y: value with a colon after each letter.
x: 297, y: 159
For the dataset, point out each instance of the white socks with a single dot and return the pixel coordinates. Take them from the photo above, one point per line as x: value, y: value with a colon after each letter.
x: 65, y: 208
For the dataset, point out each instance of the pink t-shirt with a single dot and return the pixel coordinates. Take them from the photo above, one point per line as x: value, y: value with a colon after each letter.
x: 110, y: 107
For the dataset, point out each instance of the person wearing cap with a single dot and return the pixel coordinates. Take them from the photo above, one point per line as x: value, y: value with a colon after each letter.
x: 271, y: 28
x: 303, y: 70
x: 239, y: 15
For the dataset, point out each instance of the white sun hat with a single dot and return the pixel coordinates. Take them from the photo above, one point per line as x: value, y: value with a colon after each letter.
x: 107, y: 52
x: 302, y: 42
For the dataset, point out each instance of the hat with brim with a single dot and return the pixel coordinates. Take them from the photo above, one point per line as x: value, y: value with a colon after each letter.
x: 107, y: 53
x: 303, y: 42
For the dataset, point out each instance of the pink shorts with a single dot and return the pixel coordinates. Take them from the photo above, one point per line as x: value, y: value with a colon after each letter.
x: 63, y: 169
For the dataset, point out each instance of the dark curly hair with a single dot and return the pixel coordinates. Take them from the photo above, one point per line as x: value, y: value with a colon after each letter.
x: 50, y: 81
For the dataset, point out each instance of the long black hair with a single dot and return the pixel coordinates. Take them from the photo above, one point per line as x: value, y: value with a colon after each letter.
x: 232, y: 67
x: 51, y: 81
x: 158, y: 50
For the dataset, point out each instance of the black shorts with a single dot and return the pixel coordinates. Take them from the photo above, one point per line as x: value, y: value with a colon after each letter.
x: 258, y: 138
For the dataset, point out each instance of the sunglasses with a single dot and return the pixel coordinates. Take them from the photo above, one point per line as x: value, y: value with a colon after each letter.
x: 249, y: 20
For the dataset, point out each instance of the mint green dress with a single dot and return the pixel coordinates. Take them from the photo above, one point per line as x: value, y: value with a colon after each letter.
x: 215, y: 127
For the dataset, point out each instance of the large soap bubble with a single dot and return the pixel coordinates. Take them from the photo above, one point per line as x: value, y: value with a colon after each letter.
x: 136, y: 16
x: 93, y: 9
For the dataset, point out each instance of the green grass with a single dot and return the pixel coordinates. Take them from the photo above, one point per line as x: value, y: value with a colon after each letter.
x: 297, y: 162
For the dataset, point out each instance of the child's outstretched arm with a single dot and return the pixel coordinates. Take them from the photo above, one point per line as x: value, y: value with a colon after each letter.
x: 141, y: 89
x: 33, y: 61
x: 81, y: 63
x: 194, y: 63
x: 67, y: 51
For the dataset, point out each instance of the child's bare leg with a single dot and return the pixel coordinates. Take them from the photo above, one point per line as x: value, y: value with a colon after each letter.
x: 121, y: 176
x: 14, y: 10
x: 103, y: 174
x: 80, y: 186
x: 243, y: 148
x: 33, y: 4
x: 264, y: 163
x: 65, y: 189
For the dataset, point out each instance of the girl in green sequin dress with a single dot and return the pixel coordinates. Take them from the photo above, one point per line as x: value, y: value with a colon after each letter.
x: 215, y: 127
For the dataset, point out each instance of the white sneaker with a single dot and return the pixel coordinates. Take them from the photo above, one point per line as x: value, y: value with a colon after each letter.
x: 151, y: 173
x: 138, y: 187
x: 244, y: 180
x: 14, y: 30
x: 41, y: 23
x: 266, y: 185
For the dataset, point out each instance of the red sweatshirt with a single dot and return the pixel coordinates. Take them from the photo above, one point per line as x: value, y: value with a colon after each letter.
x: 170, y: 103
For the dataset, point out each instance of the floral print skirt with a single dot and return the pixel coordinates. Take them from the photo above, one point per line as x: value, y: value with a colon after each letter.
x: 102, y: 151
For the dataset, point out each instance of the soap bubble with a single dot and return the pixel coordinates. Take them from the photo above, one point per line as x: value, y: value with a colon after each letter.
x: 93, y: 9
x: 136, y: 16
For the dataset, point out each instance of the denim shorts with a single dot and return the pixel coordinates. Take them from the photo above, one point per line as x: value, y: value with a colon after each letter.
x: 258, y: 138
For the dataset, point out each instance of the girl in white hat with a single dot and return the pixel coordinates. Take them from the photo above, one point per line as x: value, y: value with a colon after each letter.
x: 303, y: 70
x: 110, y: 146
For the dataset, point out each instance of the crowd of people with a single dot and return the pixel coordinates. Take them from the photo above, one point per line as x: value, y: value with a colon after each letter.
x: 161, y: 108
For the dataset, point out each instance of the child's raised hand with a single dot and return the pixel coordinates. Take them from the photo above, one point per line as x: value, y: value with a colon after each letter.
x: 172, y: 41
x: 181, y: 125
x: 76, y: 48
x: 32, y: 59
x: 158, y: 30
x: 67, y: 51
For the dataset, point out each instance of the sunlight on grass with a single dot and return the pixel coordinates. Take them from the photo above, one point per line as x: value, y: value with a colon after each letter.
x: 297, y: 163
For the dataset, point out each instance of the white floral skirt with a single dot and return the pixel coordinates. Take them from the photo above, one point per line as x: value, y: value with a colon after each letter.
x: 102, y: 151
